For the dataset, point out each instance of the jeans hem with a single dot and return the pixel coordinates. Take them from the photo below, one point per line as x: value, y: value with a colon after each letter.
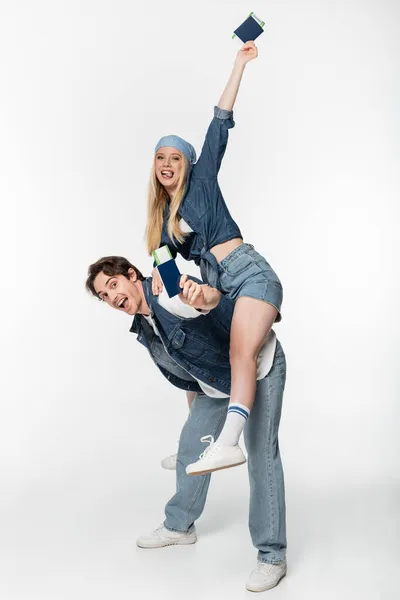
x: 179, y: 530
x: 272, y: 562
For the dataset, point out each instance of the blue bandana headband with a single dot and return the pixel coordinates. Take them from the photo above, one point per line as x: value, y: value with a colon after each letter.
x: 177, y: 142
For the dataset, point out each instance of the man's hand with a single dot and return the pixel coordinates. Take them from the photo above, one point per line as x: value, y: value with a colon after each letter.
x: 200, y: 296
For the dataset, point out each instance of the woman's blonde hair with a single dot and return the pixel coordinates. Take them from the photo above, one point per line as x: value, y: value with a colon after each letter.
x: 157, y: 198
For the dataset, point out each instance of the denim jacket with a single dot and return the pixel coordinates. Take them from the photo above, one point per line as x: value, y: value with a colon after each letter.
x: 197, y: 347
x: 203, y: 206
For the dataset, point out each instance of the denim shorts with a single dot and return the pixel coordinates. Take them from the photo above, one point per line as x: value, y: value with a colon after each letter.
x: 244, y: 272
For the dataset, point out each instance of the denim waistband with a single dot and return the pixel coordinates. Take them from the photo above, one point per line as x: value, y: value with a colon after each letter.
x: 235, y: 253
x: 208, y: 256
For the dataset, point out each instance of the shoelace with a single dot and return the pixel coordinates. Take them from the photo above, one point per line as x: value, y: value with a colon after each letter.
x: 207, y: 439
x: 266, y: 568
x: 159, y: 530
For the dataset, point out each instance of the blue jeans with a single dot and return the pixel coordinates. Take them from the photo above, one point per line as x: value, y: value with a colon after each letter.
x: 267, y: 493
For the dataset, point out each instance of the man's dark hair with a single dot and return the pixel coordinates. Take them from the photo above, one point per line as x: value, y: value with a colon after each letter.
x: 110, y: 265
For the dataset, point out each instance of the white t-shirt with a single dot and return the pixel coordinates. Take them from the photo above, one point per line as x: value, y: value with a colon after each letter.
x: 183, y: 226
x: 176, y: 307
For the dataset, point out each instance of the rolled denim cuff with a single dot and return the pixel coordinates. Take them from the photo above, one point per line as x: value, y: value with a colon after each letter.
x: 223, y: 114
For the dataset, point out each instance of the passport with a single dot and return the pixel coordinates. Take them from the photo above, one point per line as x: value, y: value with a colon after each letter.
x: 168, y: 271
x: 250, y: 29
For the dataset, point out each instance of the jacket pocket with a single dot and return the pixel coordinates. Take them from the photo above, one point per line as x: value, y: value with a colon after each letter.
x: 178, y: 339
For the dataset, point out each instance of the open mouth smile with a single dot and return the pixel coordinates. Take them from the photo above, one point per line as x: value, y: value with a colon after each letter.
x: 122, y: 303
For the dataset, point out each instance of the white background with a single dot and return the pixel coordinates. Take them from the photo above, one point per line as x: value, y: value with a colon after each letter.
x: 311, y: 176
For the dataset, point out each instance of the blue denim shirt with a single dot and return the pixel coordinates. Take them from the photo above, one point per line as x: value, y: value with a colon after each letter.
x: 198, y: 347
x: 203, y: 206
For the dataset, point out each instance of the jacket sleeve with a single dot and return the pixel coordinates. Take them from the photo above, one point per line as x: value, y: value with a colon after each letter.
x: 214, y: 145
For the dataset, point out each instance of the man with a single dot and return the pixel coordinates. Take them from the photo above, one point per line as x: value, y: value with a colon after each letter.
x: 188, y: 339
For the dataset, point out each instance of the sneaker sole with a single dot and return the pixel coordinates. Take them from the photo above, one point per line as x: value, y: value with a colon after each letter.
x: 181, y: 543
x: 263, y: 588
x: 217, y: 469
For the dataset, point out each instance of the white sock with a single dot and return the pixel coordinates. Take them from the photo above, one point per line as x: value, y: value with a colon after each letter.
x: 234, y: 424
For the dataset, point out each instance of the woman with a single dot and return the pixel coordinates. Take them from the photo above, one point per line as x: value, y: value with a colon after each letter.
x: 187, y: 212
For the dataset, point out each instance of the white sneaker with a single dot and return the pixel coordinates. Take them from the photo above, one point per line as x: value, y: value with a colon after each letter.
x: 161, y: 537
x: 169, y: 462
x: 266, y: 576
x: 216, y: 457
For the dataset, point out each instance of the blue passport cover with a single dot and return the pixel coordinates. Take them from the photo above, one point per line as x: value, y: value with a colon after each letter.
x: 170, y: 276
x: 249, y: 30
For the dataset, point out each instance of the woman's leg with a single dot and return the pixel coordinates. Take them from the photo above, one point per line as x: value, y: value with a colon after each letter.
x: 251, y: 323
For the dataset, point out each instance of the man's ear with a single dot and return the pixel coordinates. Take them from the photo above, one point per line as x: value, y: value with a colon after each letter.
x: 132, y: 274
